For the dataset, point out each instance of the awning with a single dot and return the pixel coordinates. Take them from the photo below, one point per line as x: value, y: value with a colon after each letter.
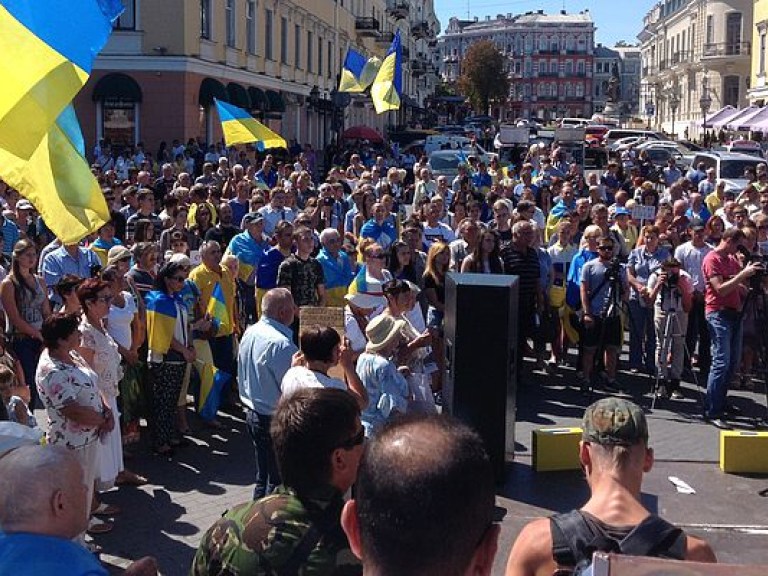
x: 746, y: 122
x: 275, y: 100
x: 117, y: 85
x: 210, y: 89
x: 258, y: 98
x: 238, y: 96
x: 715, y: 116
x: 725, y: 120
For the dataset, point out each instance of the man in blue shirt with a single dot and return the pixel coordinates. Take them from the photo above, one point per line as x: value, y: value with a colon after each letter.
x: 38, y: 535
x: 266, y: 353
x: 10, y: 232
x: 68, y: 259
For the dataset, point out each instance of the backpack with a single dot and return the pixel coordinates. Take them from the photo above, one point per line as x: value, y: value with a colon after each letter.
x: 576, y: 537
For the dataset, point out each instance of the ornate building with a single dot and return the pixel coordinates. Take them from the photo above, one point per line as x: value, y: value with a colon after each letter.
x: 696, y: 58
x: 549, y: 60
x: 166, y: 61
x: 627, y: 60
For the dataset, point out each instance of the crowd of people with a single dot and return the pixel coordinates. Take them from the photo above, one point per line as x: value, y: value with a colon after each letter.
x: 195, y: 285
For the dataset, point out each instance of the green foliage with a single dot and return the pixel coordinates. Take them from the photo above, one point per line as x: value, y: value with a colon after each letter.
x: 483, y: 77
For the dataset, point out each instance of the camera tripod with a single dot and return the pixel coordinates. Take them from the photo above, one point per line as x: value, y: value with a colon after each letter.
x: 611, y: 310
x: 672, y: 329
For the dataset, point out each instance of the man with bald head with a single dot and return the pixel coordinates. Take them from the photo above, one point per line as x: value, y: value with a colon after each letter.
x: 395, y: 530
x: 43, y: 506
x: 265, y: 355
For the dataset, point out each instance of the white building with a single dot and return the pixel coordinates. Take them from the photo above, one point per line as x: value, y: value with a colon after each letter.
x: 696, y: 55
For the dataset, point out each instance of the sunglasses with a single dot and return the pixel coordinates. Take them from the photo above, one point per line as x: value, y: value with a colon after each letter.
x: 356, y: 440
x: 605, y: 247
x: 377, y: 256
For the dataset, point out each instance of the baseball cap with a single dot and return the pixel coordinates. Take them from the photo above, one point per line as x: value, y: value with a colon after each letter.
x: 696, y: 224
x: 614, y: 422
x: 181, y: 259
x: 24, y: 204
x: 117, y: 253
x: 251, y: 218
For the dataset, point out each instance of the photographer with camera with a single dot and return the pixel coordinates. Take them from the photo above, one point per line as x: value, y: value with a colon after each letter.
x: 727, y: 288
x: 603, y: 287
x: 671, y: 293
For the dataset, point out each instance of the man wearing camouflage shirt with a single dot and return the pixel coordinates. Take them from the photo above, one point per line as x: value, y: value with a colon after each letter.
x: 318, y: 441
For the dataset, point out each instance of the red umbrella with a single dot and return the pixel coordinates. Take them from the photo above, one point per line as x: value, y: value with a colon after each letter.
x: 361, y: 133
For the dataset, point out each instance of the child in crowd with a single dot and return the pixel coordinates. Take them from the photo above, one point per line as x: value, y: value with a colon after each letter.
x: 13, y: 395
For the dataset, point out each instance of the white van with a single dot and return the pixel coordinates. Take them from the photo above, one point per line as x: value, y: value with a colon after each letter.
x: 574, y: 123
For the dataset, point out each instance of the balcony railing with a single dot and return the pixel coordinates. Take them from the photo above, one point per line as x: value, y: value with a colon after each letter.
x: 682, y: 57
x: 367, y: 26
x: 398, y: 9
x: 420, y: 30
x: 725, y: 49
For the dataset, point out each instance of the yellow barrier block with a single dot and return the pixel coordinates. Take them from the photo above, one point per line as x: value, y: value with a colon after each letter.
x: 743, y: 451
x: 556, y: 449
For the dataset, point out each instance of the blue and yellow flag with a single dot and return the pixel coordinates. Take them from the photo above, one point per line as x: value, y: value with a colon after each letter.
x: 358, y: 73
x: 239, y: 127
x: 161, y: 321
x: 388, y: 85
x: 48, y: 48
x: 212, y: 383
x: 217, y: 310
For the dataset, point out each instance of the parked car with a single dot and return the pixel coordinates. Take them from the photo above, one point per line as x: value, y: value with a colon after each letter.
x: 729, y: 167
x: 446, y: 162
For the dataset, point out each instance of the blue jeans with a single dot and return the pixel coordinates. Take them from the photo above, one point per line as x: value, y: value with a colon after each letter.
x: 267, y: 474
x: 27, y: 351
x: 725, y: 330
x: 642, y: 338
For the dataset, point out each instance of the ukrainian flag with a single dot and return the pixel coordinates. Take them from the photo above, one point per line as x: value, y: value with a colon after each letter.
x: 357, y: 73
x: 239, y: 127
x: 161, y: 321
x: 212, y: 383
x: 48, y: 48
x: 217, y: 310
x: 388, y: 85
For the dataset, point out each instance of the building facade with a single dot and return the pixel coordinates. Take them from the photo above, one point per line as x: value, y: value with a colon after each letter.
x: 758, y: 93
x: 549, y: 60
x: 696, y: 57
x: 164, y: 64
x: 627, y: 61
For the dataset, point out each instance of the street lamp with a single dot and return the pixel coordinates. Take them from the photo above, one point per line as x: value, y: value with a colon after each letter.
x: 314, y: 97
x: 705, y: 102
x: 674, y: 102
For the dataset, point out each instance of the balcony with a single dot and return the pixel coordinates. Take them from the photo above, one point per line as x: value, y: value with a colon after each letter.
x: 420, y: 31
x: 385, y: 38
x: 682, y: 57
x: 398, y: 9
x: 367, y: 26
x: 418, y: 68
x: 726, y: 49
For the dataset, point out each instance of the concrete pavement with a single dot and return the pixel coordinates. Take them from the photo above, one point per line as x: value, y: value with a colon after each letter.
x: 187, y: 494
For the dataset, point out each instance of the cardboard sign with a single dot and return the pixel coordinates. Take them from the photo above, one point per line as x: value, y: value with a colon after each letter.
x: 323, y: 316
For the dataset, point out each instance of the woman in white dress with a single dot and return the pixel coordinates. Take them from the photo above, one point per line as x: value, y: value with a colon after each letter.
x: 100, y: 352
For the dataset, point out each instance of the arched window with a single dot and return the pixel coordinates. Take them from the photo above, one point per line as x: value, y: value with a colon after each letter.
x: 117, y: 97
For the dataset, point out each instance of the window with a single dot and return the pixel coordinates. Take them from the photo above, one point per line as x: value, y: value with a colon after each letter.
x: 762, y: 53
x: 569, y: 68
x: 733, y: 33
x: 553, y: 67
x: 126, y: 20
x: 580, y: 69
x: 310, y: 46
x: 250, y: 27
x: 710, y: 29
x: 297, y: 45
x: 229, y: 11
x: 205, y: 19
x: 330, y: 59
x: 579, y: 90
x: 731, y: 91
x: 284, y: 40
x: 319, y: 56
x: 268, y: 14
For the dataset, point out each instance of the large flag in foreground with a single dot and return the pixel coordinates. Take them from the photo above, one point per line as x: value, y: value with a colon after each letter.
x: 388, y: 85
x: 217, y: 310
x: 47, y: 48
x: 358, y: 73
x: 212, y: 384
x: 239, y: 127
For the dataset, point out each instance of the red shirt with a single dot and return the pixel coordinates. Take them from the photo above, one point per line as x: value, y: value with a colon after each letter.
x: 726, y: 267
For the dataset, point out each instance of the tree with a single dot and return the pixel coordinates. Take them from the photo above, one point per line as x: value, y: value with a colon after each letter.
x: 483, y: 75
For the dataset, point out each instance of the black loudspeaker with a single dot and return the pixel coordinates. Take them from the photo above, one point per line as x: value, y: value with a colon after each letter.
x: 481, y: 354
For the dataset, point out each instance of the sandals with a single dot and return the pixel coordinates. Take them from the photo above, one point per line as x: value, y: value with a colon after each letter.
x: 104, y: 509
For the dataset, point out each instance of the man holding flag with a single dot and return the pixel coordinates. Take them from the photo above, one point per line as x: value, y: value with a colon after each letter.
x: 217, y: 298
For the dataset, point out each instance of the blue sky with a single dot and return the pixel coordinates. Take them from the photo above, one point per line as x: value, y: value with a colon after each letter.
x: 614, y: 19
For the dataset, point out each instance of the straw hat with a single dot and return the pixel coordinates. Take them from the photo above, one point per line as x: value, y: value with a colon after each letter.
x: 381, y: 331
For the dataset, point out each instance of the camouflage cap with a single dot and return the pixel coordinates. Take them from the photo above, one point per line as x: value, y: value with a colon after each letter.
x: 614, y: 421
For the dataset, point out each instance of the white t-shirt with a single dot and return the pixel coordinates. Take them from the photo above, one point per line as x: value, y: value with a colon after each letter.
x: 440, y: 232
x: 300, y: 377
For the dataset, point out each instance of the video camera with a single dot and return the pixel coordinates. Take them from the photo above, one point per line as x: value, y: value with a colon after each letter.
x: 755, y: 282
x: 613, y: 270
